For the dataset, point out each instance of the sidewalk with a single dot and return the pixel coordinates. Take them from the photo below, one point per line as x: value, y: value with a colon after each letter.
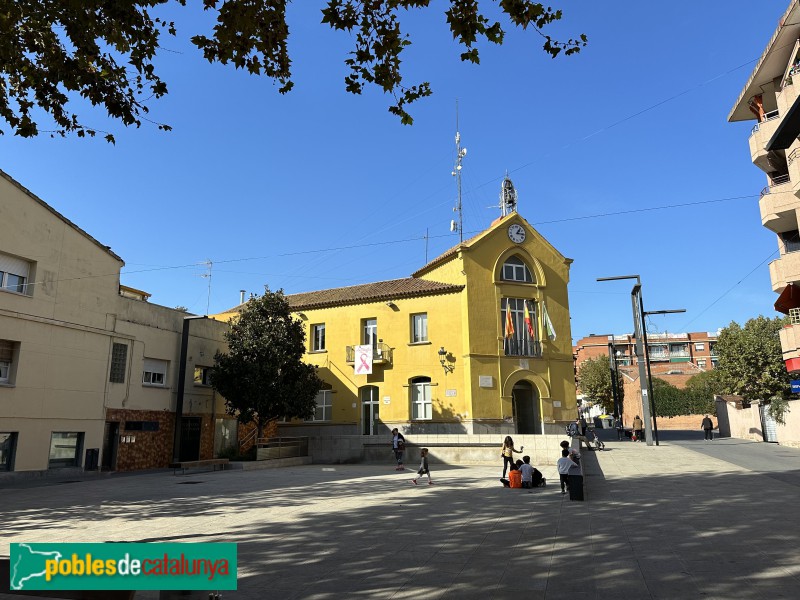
x: 660, y: 522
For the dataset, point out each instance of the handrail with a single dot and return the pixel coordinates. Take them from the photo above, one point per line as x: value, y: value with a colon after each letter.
x: 770, y: 116
x: 775, y: 182
x: 245, y: 443
x: 281, y: 447
x: 380, y: 353
x: 792, y: 156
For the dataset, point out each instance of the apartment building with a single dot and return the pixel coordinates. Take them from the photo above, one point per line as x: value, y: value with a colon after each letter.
x: 476, y: 341
x: 770, y: 99
x: 89, y: 368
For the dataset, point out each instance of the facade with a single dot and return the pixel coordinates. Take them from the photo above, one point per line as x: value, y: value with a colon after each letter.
x: 451, y: 350
x: 89, y: 368
x: 770, y: 98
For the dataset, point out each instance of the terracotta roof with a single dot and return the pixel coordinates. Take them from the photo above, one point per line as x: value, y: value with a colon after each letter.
x: 367, y: 292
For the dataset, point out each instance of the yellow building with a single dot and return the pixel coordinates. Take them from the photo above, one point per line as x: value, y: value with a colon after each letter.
x: 446, y: 358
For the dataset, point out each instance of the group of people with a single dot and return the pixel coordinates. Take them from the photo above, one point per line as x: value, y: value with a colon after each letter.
x: 399, y: 447
x: 521, y: 474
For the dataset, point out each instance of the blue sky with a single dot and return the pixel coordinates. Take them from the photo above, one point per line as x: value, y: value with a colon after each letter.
x: 268, y: 187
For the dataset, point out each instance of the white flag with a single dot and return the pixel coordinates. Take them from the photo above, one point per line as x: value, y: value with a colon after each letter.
x: 548, y: 324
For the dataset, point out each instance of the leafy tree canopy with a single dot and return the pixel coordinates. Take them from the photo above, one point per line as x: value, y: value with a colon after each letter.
x: 751, y: 362
x: 594, y: 380
x: 262, y: 376
x: 696, y: 399
x: 103, y: 51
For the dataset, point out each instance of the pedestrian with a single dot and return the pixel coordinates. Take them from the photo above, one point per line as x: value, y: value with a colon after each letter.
x: 564, y: 464
x: 514, y: 477
x: 708, y: 428
x: 531, y: 476
x: 398, y: 447
x: 574, y: 431
x: 507, y: 453
x: 423, y: 467
x: 582, y: 422
x: 620, y: 428
x: 638, y: 426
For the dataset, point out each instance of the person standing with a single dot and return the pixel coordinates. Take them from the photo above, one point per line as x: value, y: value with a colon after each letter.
x: 638, y: 427
x: 507, y: 453
x: 398, y: 447
x: 582, y: 422
x: 620, y: 428
x: 564, y: 464
x: 423, y: 467
x: 708, y: 428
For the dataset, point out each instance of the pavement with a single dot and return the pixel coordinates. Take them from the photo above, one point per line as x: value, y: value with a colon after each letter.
x: 686, y: 519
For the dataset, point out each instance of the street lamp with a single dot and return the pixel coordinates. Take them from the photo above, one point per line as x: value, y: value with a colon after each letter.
x: 443, y: 360
x: 647, y: 360
x: 638, y: 320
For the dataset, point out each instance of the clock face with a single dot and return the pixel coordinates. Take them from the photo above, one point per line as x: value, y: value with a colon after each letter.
x: 516, y: 233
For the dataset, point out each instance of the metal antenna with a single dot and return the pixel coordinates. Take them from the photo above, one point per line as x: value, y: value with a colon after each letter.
x: 460, y: 154
x: 207, y: 275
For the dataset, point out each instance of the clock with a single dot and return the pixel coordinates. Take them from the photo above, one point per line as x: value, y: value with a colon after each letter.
x: 516, y: 233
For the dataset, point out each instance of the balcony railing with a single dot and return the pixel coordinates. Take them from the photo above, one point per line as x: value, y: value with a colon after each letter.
x: 522, y: 346
x: 773, y: 114
x: 381, y: 354
x: 775, y: 182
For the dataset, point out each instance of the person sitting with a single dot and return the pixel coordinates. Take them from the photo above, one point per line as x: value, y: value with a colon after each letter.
x: 515, y: 477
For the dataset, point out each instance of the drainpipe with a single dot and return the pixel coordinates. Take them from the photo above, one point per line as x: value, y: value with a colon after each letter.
x: 176, y: 444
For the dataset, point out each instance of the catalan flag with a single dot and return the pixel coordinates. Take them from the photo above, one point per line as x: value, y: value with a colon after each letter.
x: 509, y: 322
x: 528, y: 320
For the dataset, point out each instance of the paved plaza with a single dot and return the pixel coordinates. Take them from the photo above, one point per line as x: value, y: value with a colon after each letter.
x: 683, y: 520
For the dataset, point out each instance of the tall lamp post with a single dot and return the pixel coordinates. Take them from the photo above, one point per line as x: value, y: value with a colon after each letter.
x: 646, y: 313
x: 638, y: 321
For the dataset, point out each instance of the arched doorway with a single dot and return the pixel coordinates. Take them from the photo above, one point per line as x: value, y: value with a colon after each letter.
x: 370, y: 409
x: 525, y: 399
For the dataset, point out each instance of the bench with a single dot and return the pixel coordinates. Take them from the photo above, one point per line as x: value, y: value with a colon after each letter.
x: 196, y: 464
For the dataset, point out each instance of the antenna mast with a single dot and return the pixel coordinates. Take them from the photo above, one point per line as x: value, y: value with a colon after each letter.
x: 460, y: 154
x: 207, y: 275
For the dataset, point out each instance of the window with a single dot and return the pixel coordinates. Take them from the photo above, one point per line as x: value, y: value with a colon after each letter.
x: 202, y: 375
x: 791, y: 240
x: 419, y: 328
x: 699, y: 346
x: 119, y: 357
x: 520, y: 335
x: 141, y: 425
x: 370, y: 336
x: 6, y: 360
x: 516, y: 270
x: 65, y: 449
x: 14, y: 273
x: 324, y: 409
x: 421, y: 405
x: 318, y: 337
x: 8, y: 443
x: 155, y: 372
x: 701, y: 363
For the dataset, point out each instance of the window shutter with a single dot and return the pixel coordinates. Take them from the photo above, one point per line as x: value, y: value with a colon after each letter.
x: 16, y: 266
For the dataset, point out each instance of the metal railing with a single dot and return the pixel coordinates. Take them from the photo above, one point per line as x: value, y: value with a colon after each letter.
x: 775, y: 182
x: 281, y: 447
x: 247, y: 441
x: 522, y: 346
x: 381, y: 353
x: 792, y: 156
x: 770, y: 116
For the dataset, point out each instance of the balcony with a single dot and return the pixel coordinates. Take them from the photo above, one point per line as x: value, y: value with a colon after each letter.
x: 787, y: 96
x: 522, y: 346
x: 790, y: 344
x: 761, y: 134
x: 381, y: 354
x: 778, y: 200
x: 784, y: 270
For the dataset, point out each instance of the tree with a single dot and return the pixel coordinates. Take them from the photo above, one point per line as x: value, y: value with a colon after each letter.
x: 262, y: 376
x: 751, y: 363
x: 594, y: 380
x: 671, y: 401
x: 54, y: 50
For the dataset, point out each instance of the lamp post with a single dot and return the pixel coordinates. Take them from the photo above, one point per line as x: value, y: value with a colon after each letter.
x: 638, y: 320
x: 647, y: 360
x: 176, y: 443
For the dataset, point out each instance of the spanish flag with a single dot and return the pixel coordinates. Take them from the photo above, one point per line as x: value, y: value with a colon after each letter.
x: 528, y: 320
x: 509, y: 322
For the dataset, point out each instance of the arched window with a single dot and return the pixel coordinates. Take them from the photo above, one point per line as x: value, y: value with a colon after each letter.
x: 514, y: 269
x: 421, y: 405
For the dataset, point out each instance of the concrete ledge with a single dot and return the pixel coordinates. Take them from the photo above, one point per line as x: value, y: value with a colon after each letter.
x: 256, y: 465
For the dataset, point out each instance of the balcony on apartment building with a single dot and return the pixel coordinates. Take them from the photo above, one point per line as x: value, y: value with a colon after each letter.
x: 671, y: 353
x: 790, y: 341
x: 779, y: 199
x: 381, y: 354
x: 786, y: 269
x: 522, y: 346
x: 761, y: 134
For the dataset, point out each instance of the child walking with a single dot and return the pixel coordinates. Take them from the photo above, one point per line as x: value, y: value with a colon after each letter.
x: 423, y: 467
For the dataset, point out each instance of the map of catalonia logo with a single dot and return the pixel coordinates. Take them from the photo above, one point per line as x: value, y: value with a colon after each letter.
x: 121, y: 566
